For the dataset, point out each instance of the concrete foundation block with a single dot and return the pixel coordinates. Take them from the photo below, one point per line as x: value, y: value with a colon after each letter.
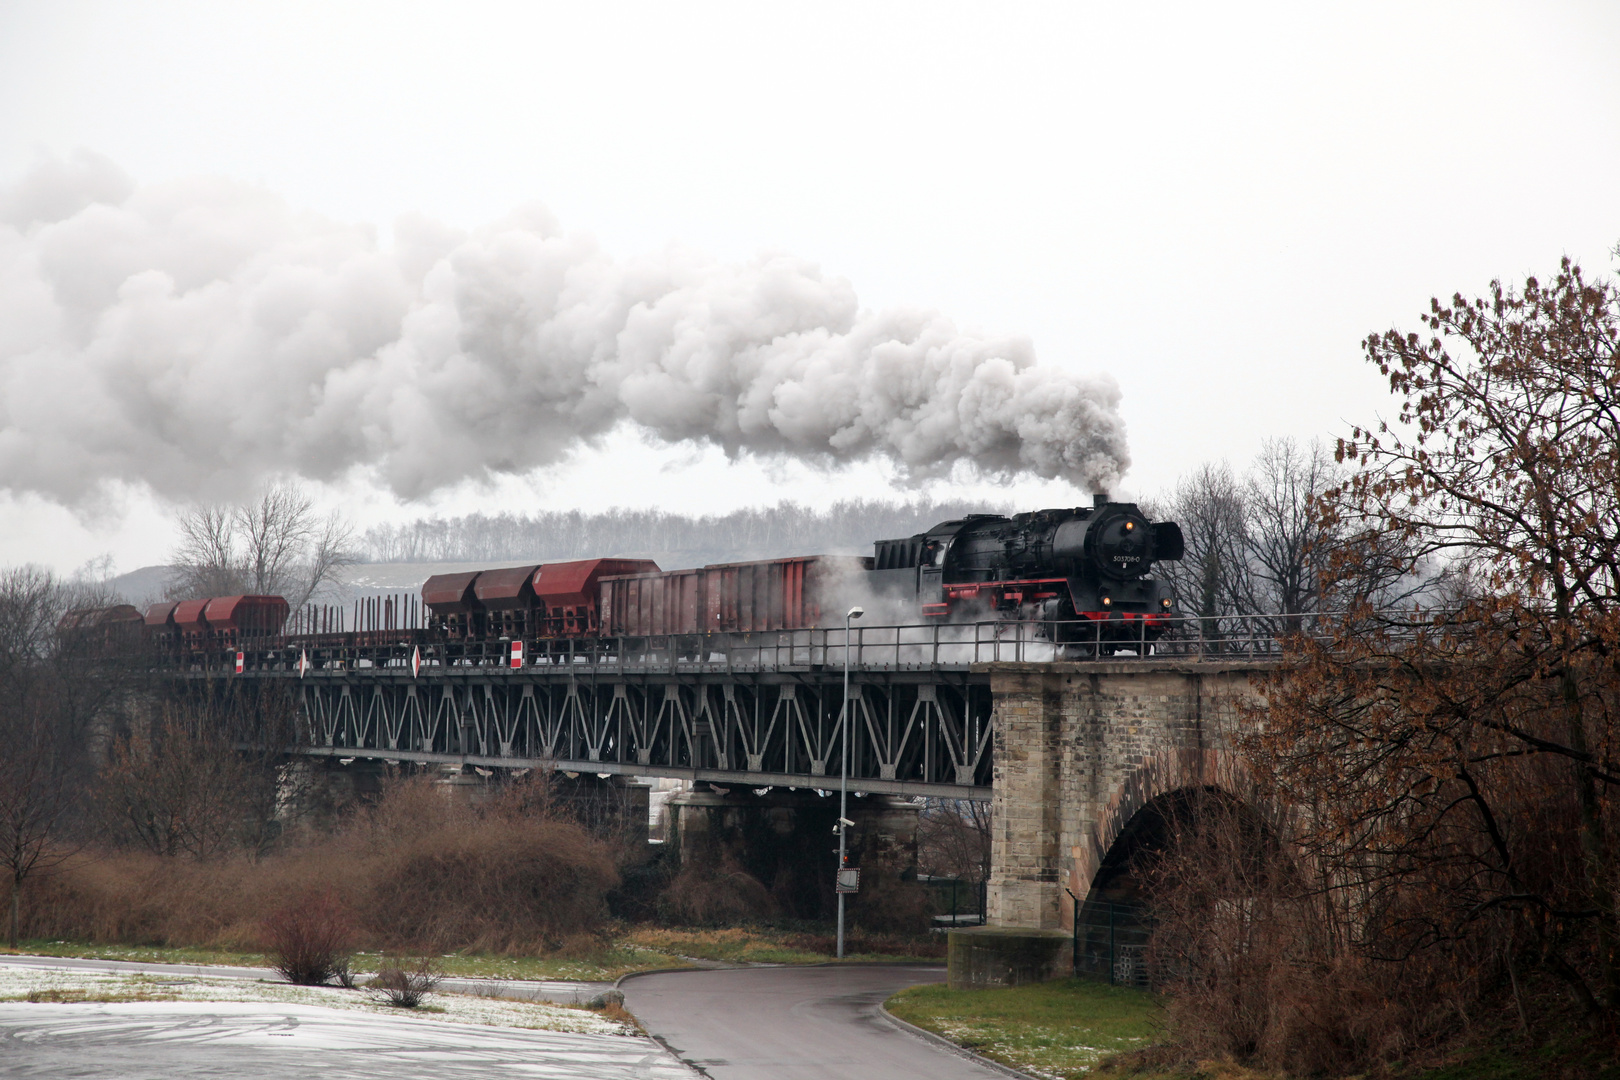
x: 981, y: 957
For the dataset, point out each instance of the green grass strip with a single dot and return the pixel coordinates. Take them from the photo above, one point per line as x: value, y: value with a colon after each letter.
x: 1056, y: 1029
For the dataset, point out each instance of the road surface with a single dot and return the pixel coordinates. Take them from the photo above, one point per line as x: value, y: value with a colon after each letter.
x: 793, y: 1023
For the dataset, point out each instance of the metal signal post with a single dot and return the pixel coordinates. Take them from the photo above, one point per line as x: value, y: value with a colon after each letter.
x: 843, y: 782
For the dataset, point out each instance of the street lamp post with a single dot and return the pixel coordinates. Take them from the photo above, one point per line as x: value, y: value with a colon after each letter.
x: 843, y: 782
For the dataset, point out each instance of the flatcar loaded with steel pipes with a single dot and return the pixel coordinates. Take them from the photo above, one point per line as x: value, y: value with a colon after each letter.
x: 1077, y: 578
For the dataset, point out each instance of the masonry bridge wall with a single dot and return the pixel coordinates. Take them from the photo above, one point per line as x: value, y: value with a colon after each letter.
x: 1079, y: 749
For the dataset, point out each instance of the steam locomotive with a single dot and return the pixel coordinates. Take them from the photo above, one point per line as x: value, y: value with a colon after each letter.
x: 1084, y: 570
x: 1080, y: 573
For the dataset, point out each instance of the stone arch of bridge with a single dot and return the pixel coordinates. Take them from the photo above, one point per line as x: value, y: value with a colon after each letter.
x: 1134, y: 815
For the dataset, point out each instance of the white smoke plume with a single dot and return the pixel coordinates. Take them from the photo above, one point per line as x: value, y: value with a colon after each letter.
x: 200, y: 336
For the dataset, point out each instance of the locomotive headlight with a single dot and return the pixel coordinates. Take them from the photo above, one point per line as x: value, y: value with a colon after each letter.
x: 1108, y: 601
x: 1129, y: 525
x: 1164, y: 602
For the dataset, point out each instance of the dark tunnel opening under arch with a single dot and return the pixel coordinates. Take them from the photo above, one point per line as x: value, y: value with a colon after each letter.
x: 1116, y: 917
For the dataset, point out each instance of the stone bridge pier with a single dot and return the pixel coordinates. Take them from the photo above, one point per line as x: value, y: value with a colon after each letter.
x: 1080, y: 749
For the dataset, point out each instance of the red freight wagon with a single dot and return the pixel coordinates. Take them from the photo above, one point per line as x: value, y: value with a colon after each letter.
x: 190, y: 621
x: 651, y: 604
x: 569, y: 591
x: 231, y: 618
x: 160, y: 622
x: 551, y: 600
x: 507, y: 597
x: 116, y: 627
x: 91, y: 618
x: 452, y: 598
x: 772, y: 594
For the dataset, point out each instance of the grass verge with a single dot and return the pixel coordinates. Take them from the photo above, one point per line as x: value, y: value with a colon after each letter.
x: 751, y: 945
x: 644, y: 948
x: 1057, y: 1029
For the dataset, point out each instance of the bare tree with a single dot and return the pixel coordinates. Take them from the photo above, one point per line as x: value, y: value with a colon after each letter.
x: 1287, y: 546
x: 755, y: 532
x: 1260, y: 545
x: 49, y: 699
x: 203, y: 777
x: 1213, y: 578
x: 276, y: 545
x: 38, y: 795
x: 204, y: 774
x: 953, y: 839
x: 207, y: 562
x: 1463, y: 766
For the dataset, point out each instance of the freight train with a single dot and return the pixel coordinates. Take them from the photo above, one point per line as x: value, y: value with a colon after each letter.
x: 1080, y: 574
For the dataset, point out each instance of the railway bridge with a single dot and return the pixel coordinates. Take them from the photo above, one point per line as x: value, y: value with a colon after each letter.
x: 1069, y: 753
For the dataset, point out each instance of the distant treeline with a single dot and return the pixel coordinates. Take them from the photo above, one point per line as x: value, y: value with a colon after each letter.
x: 763, y: 532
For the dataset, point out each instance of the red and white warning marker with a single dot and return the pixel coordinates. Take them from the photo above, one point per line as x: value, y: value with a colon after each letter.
x: 303, y: 662
x: 241, y: 661
x: 517, y: 655
x: 416, y: 660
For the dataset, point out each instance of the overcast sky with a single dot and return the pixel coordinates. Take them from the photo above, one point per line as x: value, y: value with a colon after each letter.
x: 1213, y: 204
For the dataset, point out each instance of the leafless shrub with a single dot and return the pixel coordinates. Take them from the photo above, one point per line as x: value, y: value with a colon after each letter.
x: 203, y: 777
x: 891, y: 901
x: 343, y: 972
x: 1257, y: 963
x: 713, y: 889
x: 404, y: 983
x: 421, y: 872
x: 858, y: 940
x: 604, y: 999
x: 309, y: 940
x: 492, y: 886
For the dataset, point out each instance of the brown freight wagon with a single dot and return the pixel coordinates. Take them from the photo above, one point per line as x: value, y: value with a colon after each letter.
x: 231, y: 619
x: 730, y: 598
x: 117, y: 628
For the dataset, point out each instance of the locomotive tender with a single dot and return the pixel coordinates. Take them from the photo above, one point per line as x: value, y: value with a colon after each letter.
x: 1081, y: 573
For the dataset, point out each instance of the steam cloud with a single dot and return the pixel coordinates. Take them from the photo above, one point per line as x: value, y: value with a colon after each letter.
x: 200, y: 336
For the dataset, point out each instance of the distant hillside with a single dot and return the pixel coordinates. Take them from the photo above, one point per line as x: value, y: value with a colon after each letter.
x: 142, y: 587
x: 673, y: 540
x: 398, y: 558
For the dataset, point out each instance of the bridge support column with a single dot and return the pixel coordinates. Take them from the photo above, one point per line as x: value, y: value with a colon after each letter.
x: 785, y: 839
x: 1026, y: 808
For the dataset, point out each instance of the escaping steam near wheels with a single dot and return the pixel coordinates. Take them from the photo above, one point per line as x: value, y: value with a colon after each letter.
x: 200, y: 336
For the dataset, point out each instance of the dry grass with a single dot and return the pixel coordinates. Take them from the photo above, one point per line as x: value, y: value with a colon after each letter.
x: 713, y: 889
x: 421, y: 874
x: 80, y: 997
x: 765, y: 945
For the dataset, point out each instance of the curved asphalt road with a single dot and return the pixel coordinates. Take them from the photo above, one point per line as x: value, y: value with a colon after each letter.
x: 793, y: 1023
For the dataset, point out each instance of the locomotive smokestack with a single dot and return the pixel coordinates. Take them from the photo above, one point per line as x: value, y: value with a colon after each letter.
x: 1100, y: 499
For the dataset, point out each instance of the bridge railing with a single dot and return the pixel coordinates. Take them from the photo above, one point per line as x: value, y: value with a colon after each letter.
x: 894, y: 647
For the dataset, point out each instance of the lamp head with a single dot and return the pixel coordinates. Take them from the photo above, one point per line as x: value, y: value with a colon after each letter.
x: 855, y: 613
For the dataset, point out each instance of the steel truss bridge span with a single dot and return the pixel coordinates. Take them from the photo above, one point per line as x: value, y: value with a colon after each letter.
x: 911, y: 733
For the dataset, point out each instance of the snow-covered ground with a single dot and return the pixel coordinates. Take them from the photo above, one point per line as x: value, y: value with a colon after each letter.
x: 17, y: 983
x: 58, y: 1022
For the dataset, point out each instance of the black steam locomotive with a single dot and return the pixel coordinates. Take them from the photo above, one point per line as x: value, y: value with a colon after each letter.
x: 1083, y: 569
